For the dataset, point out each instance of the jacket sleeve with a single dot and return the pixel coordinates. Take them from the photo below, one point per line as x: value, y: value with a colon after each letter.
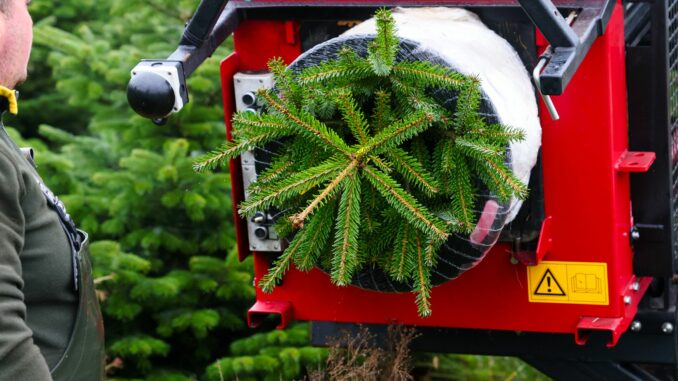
x: 20, y: 358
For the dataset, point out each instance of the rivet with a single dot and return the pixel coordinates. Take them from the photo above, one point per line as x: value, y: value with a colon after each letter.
x: 636, y: 326
x: 635, y: 286
x: 627, y: 299
x: 667, y: 328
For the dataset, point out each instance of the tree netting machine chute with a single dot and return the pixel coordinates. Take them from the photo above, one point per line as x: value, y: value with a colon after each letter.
x: 578, y: 279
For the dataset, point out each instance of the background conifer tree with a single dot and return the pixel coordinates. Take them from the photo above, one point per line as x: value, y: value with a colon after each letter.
x: 173, y: 293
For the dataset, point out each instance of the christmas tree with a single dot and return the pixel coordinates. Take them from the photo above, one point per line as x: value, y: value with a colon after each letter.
x: 369, y: 152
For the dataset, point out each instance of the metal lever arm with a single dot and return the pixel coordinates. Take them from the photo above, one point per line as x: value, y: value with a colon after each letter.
x: 202, y: 23
x: 550, y: 22
x: 158, y: 87
x: 570, y: 44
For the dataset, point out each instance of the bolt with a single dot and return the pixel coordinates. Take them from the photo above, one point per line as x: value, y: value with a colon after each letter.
x: 514, y: 260
x: 627, y: 299
x: 635, y: 234
x: 635, y: 286
x: 667, y: 328
x: 636, y: 326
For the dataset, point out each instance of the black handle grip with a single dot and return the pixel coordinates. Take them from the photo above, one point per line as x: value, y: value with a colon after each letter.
x: 200, y: 26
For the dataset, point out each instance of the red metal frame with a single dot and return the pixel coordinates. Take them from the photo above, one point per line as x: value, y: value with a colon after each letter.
x: 586, y: 184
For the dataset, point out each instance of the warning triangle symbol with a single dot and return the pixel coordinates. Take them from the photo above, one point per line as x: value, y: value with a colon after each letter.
x: 548, y: 285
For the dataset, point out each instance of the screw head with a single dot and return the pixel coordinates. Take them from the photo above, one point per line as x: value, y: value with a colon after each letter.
x: 635, y: 235
x: 667, y: 328
x: 627, y: 299
x: 635, y: 286
x: 636, y: 326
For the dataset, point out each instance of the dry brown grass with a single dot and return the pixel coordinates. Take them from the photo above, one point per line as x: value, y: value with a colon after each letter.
x: 355, y: 357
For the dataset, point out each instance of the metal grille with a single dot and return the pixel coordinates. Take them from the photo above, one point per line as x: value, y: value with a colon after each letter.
x: 672, y: 40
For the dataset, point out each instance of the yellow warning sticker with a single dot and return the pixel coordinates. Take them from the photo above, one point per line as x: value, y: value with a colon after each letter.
x: 568, y: 282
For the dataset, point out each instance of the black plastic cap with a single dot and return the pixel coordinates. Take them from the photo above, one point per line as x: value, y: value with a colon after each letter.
x: 150, y: 95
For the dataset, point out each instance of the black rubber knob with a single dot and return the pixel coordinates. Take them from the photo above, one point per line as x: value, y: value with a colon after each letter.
x: 150, y: 95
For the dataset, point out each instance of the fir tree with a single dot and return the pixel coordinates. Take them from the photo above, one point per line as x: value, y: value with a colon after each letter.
x: 359, y: 127
x: 172, y: 291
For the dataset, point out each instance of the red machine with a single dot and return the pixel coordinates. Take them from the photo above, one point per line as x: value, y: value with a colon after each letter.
x: 592, y: 253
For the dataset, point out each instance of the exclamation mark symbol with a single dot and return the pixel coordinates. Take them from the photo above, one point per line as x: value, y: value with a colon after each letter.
x: 548, y: 283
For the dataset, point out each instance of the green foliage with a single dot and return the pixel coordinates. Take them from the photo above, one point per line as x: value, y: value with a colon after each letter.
x: 172, y: 290
x: 465, y: 367
x: 277, y: 355
x: 358, y: 127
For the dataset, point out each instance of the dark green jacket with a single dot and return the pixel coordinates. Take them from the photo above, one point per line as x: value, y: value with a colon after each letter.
x: 38, y: 299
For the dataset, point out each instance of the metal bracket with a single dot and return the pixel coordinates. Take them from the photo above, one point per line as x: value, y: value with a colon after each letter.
x: 532, y: 258
x: 262, y: 309
x: 570, y: 44
x: 616, y: 326
x: 637, y: 162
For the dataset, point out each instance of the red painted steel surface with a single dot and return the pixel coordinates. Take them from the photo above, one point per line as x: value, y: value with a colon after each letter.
x: 586, y: 197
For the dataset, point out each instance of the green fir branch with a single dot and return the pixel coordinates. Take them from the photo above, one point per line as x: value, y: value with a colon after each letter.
x: 334, y: 73
x: 287, y: 86
x: 276, y: 194
x: 282, y: 264
x: 500, y: 180
x: 428, y: 74
x: 431, y: 252
x: 383, y: 115
x: 476, y: 150
x: 396, y: 134
x: 354, y: 118
x: 345, y: 248
x: 498, y: 134
x: 463, y: 194
x: 382, y: 51
x: 406, y: 205
x: 299, y: 219
x: 422, y: 280
x: 413, y: 171
x: 401, y: 250
x: 261, y: 129
x: 308, y: 125
x: 319, y: 228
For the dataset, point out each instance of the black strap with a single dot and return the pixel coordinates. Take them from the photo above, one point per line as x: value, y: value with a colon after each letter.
x: 74, y: 237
